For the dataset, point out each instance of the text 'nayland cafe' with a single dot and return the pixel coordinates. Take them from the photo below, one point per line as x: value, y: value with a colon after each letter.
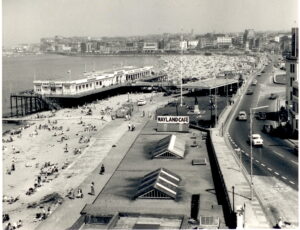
x: 173, y: 123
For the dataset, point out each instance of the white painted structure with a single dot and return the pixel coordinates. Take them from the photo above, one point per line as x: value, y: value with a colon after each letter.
x: 91, y: 81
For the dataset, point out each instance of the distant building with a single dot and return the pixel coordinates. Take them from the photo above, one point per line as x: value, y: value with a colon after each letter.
x: 285, y: 45
x: 192, y: 44
x: 248, y: 34
x: 292, y: 71
x: 183, y: 45
x: 207, y: 42
x: 224, y: 42
x: 150, y: 47
x: 295, y: 42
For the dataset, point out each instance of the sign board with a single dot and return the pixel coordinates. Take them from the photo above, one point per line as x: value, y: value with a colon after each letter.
x: 173, y: 119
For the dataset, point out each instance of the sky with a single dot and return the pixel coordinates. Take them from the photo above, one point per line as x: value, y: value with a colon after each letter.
x: 26, y: 21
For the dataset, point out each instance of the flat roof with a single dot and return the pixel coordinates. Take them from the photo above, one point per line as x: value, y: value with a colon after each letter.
x: 118, y: 193
x: 210, y: 83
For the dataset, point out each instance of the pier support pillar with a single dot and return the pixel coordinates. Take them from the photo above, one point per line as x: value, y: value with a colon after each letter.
x: 17, y: 106
x: 11, y: 106
x: 22, y: 109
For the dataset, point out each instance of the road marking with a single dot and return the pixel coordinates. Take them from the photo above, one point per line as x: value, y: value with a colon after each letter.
x: 291, y: 182
x: 294, y: 162
x: 276, y: 173
x: 263, y: 165
x: 242, y: 151
x: 278, y: 153
x: 257, y: 161
x: 235, y: 145
x: 283, y: 177
x: 269, y: 169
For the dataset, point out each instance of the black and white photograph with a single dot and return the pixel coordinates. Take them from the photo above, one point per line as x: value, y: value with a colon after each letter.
x: 150, y: 114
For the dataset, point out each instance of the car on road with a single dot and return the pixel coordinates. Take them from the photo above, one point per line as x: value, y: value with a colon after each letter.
x: 141, y: 102
x: 273, y: 96
x: 256, y: 140
x: 259, y: 74
x: 263, y: 71
x: 242, y: 116
x: 249, y: 92
x: 261, y: 116
x: 268, y: 128
x: 254, y: 82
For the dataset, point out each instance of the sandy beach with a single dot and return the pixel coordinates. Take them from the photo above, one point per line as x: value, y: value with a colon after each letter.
x: 204, y: 67
x: 49, y: 157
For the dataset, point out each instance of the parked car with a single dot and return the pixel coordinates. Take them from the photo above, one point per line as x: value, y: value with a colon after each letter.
x: 141, y: 102
x: 261, y: 116
x: 267, y: 128
x: 256, y: 140
x: 242, y: 116
x: 249, y: 92
x: 273, y: 96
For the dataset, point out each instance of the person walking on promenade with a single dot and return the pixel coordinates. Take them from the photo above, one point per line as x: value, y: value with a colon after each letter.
x: 129, y: 126
x: 102, y: 169
x: 92, y: 189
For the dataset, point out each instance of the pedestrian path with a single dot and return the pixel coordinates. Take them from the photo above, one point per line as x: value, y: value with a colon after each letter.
x: 233, y: 176
x: 67, y: 214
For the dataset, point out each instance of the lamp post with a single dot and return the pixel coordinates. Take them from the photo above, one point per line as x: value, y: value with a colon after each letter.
x: 251, y: 148
x: 181, y: 53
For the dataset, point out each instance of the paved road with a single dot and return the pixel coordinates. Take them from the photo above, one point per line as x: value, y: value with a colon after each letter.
x: 276, y: 158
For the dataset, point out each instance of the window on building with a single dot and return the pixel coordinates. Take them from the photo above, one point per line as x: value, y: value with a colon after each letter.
x: 91, y: 85
x: 100, y: 82
x: 97, y: 82
x: 292, y: 68
x: 83, y: 86
x: 87, y: 85
x: 295, y: 92
x: 291, y: 81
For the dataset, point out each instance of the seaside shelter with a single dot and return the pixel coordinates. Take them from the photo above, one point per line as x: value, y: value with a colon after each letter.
x: 159, y: 184
x: 169, y: 147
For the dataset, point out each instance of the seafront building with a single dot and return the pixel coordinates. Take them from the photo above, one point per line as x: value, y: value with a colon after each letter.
x: 164, y: 181
x: 292, y: 71
x: 91, y: 81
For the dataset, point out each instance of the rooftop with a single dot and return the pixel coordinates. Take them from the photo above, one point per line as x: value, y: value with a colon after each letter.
x: 118, y: 193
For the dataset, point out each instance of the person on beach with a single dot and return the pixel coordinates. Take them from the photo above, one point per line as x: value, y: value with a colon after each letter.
x: 8, y: 227
x: 66, y: 148
x: 19, y: 223
x: 13, y: 166
x: 79, y: 193
x: 92, y: 189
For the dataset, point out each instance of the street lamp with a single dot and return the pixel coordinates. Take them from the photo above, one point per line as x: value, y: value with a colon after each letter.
x: 251, y: 149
